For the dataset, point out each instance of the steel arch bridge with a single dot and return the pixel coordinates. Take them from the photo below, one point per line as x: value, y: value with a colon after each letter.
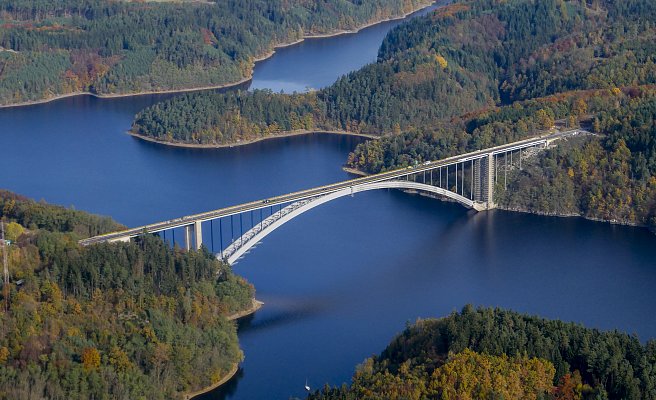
x: 468, y: 179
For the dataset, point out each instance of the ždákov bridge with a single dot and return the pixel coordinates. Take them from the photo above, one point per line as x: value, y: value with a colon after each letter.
x: 468, y: 179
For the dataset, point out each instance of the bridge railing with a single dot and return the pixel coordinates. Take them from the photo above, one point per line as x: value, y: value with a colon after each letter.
x: 189, y: 220
x: 238, y: 243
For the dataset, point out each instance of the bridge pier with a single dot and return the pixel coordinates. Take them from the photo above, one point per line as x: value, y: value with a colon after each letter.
x: 484, y: 178
x: 187, y: 233
x: 489, y: 184
x: 193, y: 233
x: 198, y: 234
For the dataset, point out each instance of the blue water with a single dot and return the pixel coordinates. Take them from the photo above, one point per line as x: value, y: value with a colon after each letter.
x: 77, y: 153
x: 316, y: 63
x: 339, y: 282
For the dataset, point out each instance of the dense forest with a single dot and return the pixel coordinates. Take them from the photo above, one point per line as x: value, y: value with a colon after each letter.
x: 132, y: 320
x: 106, y: 47
x: 609, y: 177
x: 472, y: 75
x: 461, y: 58
x: 496, y: 354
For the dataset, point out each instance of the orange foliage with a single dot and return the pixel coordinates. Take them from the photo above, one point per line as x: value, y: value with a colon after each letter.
x: 208, y: 36
x: 90, y: 359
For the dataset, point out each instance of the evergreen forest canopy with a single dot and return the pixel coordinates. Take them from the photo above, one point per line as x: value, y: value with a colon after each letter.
x: 496, y: 354
x: 132, y: 320
x: 472, y: 75
x: 461, y: 58
x: 50, y: 48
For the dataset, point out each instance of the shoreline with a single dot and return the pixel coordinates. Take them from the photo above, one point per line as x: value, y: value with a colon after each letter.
x: 247, y: 142
x: 525, y: 211
x: 225, y: 378
x: 575, y: 215
x: 354, y: 171
x: 358, y: 29
x: 223, y: 85
x: 120, y: 95
x: 255, y: 305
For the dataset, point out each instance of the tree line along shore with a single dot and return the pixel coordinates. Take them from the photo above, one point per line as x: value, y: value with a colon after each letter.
x: 126, y: 48
x: 472, y: 75
x: 137, y: 320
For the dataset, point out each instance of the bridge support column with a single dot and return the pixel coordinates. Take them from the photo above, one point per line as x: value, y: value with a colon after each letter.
x: 188, y: 233
x: 489, y: 184
x: 198, y: 234
x: 478, y: 180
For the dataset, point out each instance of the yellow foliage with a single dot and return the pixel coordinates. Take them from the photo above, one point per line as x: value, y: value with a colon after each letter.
x: 97, y: 295
x: 149, y: 333
x: 441, y: 61
x: 544, y: 119
x: 119, y: 359
x: 76, y: 307
x: 90, y: 359
x: 470, y: 375
x: 9, y: 206
x: 74, y: 331
x: 51, y: 293
x: 570, y: 172
x: 580, y: 107
x: 13, y: 231
x: 4, y: 354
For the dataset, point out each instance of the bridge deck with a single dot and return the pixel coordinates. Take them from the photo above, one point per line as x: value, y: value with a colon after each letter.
x: 323, y: 190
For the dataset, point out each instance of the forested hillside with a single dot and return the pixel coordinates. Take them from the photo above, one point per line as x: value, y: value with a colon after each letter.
x: 112, y: 321
x: 496, y: 354
x: 475, y: 74
x: 49, y: 48
x: 461, y: 58
x: 610, y: 177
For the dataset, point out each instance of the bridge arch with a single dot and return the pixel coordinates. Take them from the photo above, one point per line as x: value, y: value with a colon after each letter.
x: 249, y: 239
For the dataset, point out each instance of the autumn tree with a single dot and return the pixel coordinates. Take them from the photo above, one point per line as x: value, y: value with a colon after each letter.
x: 544, y: 118
x: 90, y: 359
x: 13, y: 230
x: 580, y: 107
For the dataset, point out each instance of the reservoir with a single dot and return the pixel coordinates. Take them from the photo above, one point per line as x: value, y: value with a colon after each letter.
x: 339, y: 282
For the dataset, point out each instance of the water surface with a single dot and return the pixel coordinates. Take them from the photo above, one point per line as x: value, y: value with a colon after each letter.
x: 340, y: 281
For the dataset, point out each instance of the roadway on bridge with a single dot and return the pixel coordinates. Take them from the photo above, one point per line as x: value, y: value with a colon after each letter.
x: 323, y: 190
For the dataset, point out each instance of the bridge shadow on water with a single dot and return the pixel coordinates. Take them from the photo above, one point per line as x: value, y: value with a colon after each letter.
x: 279, y: 312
